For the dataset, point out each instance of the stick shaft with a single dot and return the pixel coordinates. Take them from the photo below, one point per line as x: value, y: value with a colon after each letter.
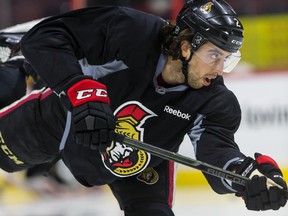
x: 168, y: 155
x: 181, y: 159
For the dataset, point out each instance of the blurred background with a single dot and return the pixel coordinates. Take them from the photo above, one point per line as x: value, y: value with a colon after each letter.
x: 260, y: 82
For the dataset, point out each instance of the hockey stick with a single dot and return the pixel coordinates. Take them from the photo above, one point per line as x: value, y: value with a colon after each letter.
x: 199, y: 165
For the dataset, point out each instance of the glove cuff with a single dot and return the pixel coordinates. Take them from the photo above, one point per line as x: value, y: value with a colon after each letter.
x: 87, y: 90
x: 245, y: 169
x: 264, y: 159
x: 61, y: 90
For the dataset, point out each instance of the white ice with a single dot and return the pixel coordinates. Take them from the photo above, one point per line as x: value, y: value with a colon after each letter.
x: 188, y: 202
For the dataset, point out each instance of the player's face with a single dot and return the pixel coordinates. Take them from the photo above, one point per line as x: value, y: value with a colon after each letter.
x: 208, y: 62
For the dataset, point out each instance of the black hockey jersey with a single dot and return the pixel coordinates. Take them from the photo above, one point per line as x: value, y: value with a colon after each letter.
x: 120, y: 48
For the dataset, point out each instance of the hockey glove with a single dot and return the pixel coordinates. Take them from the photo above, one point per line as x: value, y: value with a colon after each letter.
x: 266, y: 188
x: 92, y: 117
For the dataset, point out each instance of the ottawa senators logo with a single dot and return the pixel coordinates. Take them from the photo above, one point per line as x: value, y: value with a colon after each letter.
x: 205, y: 9
x: 148, y: 176
x: 122, y: 160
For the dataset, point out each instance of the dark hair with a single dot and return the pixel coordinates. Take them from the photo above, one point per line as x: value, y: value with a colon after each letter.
x: 170, y: 42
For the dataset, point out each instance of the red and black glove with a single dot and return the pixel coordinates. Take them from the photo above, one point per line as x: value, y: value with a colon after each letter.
x: 266, y: 189
x: 92, y: 118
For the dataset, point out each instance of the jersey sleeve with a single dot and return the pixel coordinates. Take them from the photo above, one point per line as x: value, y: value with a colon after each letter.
x: 213, y: 137
x: 54, y: 46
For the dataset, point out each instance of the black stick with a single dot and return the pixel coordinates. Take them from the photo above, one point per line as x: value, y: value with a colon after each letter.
x: 168, y: 155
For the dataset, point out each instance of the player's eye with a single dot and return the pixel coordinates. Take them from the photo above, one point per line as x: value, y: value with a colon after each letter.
x: 213, y: 57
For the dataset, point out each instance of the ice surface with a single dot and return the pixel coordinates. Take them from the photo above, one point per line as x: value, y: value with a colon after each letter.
x: 188, y: 201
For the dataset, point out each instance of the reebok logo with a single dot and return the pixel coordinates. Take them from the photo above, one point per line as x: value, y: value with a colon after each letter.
x: 177, y: 113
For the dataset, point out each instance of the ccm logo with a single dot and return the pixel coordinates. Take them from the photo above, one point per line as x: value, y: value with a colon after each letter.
x: 236, y: 42
x: 82, y: 94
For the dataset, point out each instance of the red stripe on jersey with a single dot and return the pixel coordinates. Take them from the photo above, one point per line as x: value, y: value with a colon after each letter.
x: 36, y: 94
x: 171, y: 170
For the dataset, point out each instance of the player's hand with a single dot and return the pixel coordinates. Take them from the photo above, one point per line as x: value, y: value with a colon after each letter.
x: 92, y: 118
x: 266, y: 189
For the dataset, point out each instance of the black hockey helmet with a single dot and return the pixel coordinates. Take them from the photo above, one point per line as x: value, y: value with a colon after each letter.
x: 211, y: 20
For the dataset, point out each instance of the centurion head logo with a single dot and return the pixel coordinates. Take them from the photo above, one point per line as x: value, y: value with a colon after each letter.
x: 122, y: 160
x: 205, y: 9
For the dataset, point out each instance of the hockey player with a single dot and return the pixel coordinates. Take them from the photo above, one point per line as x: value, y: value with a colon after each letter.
x: 117, y: 69
x: 14, y: 69
x: 14, y: 74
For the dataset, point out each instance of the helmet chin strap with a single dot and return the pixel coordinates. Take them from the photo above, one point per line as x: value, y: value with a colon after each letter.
x: 185, y: 67
x: 197, y: 41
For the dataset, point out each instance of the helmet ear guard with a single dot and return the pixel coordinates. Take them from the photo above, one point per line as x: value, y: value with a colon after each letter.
x: 197, y: 41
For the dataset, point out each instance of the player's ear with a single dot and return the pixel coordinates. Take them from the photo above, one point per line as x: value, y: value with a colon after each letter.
x: 185, y: 49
